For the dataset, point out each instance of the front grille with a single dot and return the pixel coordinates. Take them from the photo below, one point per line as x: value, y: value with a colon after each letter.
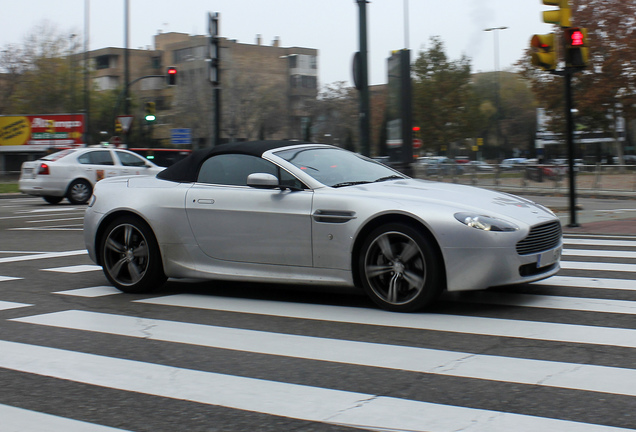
x: 541, y: 238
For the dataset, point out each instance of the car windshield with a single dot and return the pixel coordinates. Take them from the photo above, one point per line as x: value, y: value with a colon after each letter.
x: 337, y: 168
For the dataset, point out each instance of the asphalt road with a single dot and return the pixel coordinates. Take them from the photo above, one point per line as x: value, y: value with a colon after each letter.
x: 76, y: 355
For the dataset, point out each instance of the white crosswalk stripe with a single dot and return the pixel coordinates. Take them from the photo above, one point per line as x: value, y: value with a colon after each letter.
x: 146, y: 320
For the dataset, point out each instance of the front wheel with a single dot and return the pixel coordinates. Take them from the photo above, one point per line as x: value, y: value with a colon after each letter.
x: 399, y: 269
x: 130, y: 256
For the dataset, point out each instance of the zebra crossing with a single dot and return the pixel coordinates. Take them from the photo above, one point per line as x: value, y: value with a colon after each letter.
x: 564, y: 361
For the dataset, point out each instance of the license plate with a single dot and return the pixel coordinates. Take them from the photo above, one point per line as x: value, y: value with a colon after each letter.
x: 548, y: 258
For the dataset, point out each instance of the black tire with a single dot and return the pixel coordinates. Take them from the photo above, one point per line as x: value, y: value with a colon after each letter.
x: 53, y: 199
x: 130, y: 256
x: 399, y: 269
x: 79, y: 192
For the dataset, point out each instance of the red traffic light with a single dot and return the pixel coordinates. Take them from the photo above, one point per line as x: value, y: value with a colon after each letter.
x: 416, y: 128
x: 171, y: 76
x: 577, y: 38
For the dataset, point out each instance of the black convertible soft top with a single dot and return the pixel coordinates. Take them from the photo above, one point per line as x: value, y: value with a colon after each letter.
x: 187, y: 170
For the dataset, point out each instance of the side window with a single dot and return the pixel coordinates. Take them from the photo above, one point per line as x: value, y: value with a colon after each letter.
x: 97, y: 157
x: 233, y: 169
x: 128, y: 159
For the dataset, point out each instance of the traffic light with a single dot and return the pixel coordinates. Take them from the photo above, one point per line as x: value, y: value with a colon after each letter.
x: 171, y: 76
x: 562, y: 16
x: 544, y: 51
x: 576, y: 49
x: 150, y: 112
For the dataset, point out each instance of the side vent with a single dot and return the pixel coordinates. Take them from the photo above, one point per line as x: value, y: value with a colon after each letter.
x: 333, y: 216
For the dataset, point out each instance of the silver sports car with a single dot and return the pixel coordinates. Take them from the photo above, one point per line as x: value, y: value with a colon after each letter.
x: 283, y: 212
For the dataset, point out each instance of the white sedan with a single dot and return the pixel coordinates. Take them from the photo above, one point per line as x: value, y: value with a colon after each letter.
x: 72, y: 174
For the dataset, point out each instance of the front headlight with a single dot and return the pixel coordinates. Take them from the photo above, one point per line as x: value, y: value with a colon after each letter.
x: 485, y: 223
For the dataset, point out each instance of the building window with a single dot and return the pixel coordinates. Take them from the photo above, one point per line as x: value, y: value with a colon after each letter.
x: 105, y: 62
x: 155, y: 62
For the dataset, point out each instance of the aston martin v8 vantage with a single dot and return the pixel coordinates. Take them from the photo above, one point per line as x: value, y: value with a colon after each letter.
x: 284, y: 212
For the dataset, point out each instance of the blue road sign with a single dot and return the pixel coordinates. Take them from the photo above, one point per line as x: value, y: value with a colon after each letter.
x: 181, y: 136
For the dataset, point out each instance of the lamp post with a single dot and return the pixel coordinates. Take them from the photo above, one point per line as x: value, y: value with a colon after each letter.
x: 495, y: 31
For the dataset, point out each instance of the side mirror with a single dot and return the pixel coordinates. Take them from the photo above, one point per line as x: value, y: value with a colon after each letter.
x: 262, y: 180
x: 267, y: 181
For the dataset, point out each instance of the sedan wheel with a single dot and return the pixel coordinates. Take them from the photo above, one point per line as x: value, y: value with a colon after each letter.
x: 130, y: 256
x: 79, y: 192
x: 399, y: 269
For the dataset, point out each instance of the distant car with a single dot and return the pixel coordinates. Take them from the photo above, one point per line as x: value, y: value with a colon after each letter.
x: 279, y: 212
x: 440, y: 165
x: 72, y: 174
x: 512, y: 163
x: 480, y: 166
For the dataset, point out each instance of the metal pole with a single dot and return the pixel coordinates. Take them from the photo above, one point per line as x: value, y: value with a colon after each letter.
x: 570, y: 143
x: 87, y: 135
x: 364, y: 120
x: 126, y: 58
x: 495, y: 31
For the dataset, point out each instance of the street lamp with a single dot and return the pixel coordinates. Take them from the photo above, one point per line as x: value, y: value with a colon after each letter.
x: 495, y: 31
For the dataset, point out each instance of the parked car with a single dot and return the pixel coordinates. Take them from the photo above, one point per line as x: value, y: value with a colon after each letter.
x: 274, y: 211
x: 512, y: 163
x: 440, y: 165
x: 72, y: 174
x: 480, y: 166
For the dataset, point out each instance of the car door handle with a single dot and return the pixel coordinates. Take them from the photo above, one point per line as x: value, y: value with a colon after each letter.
x: 205, y: 201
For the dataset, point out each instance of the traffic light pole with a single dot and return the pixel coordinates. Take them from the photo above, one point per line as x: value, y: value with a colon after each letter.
x: 570, y: 143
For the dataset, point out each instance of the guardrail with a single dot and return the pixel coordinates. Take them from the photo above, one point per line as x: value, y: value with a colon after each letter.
x: 592, y: 180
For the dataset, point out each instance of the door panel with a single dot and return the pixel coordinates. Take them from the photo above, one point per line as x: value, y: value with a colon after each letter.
x: 244, y: 224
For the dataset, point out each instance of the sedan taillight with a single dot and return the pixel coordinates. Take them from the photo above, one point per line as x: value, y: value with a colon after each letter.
x: 44, y: 169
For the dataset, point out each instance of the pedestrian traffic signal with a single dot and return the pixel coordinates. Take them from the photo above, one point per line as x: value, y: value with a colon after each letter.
x: 562, y: 16
x: 150, y: 112
x: 171, y: 76
x: 576, y: 49
x: 544, y: 51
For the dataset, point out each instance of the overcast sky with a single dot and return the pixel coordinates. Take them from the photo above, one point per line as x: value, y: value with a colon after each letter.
x: 331, y: 26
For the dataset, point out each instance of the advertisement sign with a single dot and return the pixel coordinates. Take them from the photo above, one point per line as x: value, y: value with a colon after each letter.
x: 41, y: 132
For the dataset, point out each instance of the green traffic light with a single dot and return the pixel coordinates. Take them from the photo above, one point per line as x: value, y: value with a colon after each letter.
x: 150, y: 118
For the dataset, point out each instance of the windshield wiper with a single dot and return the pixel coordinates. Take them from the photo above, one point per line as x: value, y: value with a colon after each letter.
x: 350, y: 183
x: 391, y: 177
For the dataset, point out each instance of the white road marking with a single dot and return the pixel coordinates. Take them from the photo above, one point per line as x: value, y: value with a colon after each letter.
x: 5, y: 305
x: 552, y: 302
x: 98, y: 291
x: 37, y: 256
x: 74, y: 269
x: 22, y: 420
x: 8, y: 278
x: 599, y: 253
x: 422, y: 321
x: 581, y: 282
x: 270, y: 397
x: 575, y: 265
x: 451, y: 363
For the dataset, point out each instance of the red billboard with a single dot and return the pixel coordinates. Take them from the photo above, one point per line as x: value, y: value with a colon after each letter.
x: 41, y: 132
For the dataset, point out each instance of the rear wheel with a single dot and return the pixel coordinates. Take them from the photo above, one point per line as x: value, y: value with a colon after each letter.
x: 79, y: 192
x: 130, y: 256
x: 399, y: 269
x: 53, y: 199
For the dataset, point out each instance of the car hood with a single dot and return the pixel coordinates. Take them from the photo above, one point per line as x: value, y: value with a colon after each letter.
x: 414, y: 192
